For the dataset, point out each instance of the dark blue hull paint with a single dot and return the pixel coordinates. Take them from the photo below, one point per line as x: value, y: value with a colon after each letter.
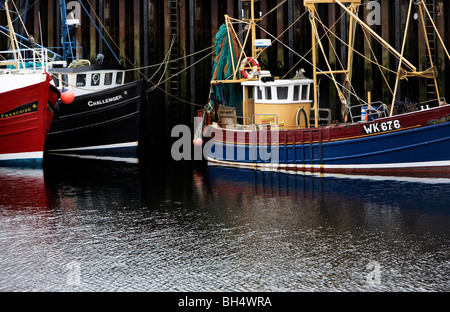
x: 414, y: 146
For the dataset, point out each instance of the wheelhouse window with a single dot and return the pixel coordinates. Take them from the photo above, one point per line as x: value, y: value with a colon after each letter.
x: 259, y: 93
x: 81, y: 80
x: 119, y: 78
x: 282, y: 93
x: 268, y: 93
x: 108, y: 79
x: 65, y: 80
x: 296, y: 93
x: 305, y: 93
x: 95, y: 80
x: 251, y: 93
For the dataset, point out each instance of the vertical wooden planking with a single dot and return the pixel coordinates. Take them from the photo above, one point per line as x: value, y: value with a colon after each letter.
x: 145, y: 35
x: 446, y: 38
x: 36, y: 31
x: 93, y: 32
x: 280, y: 48
x: 191, y: 47
x: 50, y: 26
x: 230, y: 8
x: 146, y: 21
x: 183, y: 42
x: 122, y: 31
x: 290, y: 19
x: 264, y: 59
x: 385, y: 55
x: 440, y: 53
x: 101, y: 16
x: 137, y: 36
x: 368, y: 44
x: 334, y: 59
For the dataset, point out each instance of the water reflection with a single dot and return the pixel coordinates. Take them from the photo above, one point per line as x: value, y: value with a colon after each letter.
x: 168, y: 226
x: 23, y: 188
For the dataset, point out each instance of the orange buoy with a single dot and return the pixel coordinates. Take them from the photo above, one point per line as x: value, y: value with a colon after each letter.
x: 198, y: 142
x: 67, y: 96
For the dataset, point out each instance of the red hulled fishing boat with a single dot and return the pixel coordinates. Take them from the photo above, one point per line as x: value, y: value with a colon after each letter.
x: 27, y: 102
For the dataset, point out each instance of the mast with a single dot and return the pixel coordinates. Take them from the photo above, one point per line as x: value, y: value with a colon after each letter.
x: 14, y: 43
x: 397, y: 80
x: 252, y: 27
x: 311, y: 7
x: 66, y: 41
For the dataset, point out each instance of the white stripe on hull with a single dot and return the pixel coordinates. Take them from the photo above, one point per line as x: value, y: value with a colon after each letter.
x: 22, y: 156
x: 316, y: 170
x: 308, y: 167
x: 97, y: 147
x: 127, y: 160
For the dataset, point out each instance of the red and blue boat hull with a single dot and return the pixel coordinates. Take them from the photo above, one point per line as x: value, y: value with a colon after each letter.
x: 416, y: 143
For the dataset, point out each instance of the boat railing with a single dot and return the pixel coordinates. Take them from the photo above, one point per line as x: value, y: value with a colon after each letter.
x: 30, y: 58
x: 368, y: 111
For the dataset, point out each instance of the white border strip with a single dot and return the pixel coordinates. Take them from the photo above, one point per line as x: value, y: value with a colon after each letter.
x: 22, y: 156
x: 106, y: 158
x: 445, y: 163
x: 276, y: 166
x: 306, y: 172
x: 89, y: 148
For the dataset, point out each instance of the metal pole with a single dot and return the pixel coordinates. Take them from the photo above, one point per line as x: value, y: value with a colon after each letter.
x: 401, y: 57
x: 192, y: 51
x: 101, y: 16
x: 291, y: 32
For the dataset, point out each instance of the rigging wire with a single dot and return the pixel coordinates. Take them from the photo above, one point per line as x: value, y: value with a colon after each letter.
x: 310, y: 63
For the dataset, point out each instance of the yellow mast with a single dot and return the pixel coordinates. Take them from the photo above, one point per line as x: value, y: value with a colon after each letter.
x: 314, y: 60
x: 401, y: 58
x: 311, y: 7
x: 252, y: 26
x: 14, y: 46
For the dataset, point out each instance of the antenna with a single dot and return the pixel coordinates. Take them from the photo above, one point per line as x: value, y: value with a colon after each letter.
x: 40, y: 27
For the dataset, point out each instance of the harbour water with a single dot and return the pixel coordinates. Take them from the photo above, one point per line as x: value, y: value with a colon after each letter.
x: 88, y: 225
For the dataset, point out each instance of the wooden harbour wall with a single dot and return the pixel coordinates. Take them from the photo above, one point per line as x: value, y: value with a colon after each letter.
x: 140, y: 33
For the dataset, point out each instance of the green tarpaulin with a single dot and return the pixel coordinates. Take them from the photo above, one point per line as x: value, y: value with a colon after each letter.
x: 229, y: 94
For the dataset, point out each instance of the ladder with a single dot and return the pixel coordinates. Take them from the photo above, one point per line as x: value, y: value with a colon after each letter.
x: 431, y: 34
x: 173, y: 112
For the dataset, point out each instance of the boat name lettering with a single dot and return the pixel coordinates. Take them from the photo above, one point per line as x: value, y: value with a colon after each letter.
x: 382, y: 126
x: 24, y: 109
x: 105, y: 101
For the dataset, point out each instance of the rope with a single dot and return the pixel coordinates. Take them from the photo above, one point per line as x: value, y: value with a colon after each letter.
x: 166, y: 58
x: 79, y: 63
x: 304, y: 56
x: 430, y: 73
x: 376, y: 60
x: 20, y: 18
x: 274, y: 9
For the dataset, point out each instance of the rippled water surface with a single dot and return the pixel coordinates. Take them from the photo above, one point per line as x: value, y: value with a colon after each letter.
x: 80, y: 225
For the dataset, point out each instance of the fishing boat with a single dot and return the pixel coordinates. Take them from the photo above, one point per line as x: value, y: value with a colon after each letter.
x: 27, y: 102
x: 282, y: 126
x: 98, y: 115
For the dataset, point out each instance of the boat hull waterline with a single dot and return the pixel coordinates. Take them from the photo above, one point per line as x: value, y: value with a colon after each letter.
x: 26, y: 116
x: 415, y: 143
x: 101, y: 124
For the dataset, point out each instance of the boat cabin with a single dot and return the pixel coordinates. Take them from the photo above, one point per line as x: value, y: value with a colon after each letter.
x: 88, y: 79
x: 285, y: 100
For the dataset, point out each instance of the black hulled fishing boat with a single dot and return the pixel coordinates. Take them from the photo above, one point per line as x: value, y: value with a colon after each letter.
x: 98, y: 115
